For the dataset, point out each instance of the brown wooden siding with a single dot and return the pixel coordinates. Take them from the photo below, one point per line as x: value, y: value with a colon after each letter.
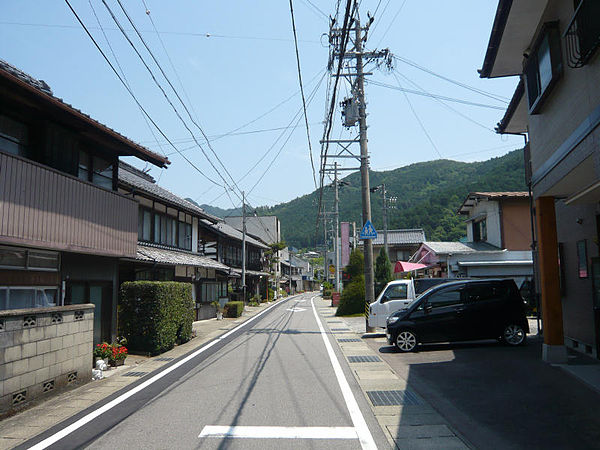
x: 45, y: 208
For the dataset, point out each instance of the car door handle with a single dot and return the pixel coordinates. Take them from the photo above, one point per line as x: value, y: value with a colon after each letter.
x: 459, y: 310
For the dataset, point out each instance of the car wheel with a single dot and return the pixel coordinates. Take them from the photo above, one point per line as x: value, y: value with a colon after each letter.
x: 513, y: 335
x: 406, y: 341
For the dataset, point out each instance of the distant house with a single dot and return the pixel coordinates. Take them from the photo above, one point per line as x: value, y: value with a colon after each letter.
x: 268, y: 230
x: 63, y: 224
x: 551, y: 48
x: 402, y: 244
x: 223, y: 243
x: 498, y: 241
x: 297, y: 274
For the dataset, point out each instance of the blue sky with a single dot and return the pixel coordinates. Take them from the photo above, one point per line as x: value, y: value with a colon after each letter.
x: 247, y: 66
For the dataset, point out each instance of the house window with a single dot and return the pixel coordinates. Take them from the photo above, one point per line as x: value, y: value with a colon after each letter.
x: 544, y: 66
x: 144, y: 225
x: 480, y: 231
x: 94, y: 169
x: 13, y: 136
x: 102, y: 174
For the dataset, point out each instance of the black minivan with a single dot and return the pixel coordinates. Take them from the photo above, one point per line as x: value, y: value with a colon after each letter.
x: 461, y: 311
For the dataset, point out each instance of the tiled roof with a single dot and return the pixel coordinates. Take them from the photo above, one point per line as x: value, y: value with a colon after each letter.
x: 43, y: 91
x: 236, y: 234
x: 397, y: 237
x: 134, y: 178
x: 174, y: 257
x: 459, y: 247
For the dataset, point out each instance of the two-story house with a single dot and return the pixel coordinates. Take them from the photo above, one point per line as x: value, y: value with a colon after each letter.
x: 498, y: 241
x: 402, y: 244
x: 552, y: 47
x: 169, y: 248
x: 63, y: 224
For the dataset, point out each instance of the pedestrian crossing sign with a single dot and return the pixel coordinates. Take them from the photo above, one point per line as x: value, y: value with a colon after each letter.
x: 368, y: 231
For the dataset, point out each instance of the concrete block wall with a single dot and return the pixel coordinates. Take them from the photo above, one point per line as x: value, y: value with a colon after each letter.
x: 42, y: 349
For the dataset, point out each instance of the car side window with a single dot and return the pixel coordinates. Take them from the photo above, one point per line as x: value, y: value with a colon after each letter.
x: 446, y: 297
x: 483, y: 292
x: 395, y: 292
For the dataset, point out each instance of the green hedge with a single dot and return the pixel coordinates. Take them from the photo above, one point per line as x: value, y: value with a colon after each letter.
x: 233, y: 309
x: 155, y: 315
x: 352, y: 300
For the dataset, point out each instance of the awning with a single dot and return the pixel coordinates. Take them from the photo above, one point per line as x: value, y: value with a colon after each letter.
x: 252, y: 273
x: 402, y: 266
x: 177, y: 258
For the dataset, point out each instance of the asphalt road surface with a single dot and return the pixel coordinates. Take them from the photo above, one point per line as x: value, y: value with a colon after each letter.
x: 277, y: 381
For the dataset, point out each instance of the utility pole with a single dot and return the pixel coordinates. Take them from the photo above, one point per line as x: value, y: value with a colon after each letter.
x: 364, y: 174
x: 244, y: 246
x: 325, y: 275
x: 337, y: 230
x: 385, y: 222
x: 354, y: 112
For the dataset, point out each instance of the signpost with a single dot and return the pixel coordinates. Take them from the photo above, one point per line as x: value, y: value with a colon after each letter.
x: 368, y: 231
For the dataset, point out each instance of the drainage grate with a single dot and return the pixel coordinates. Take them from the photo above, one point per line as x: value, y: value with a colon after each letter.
x: 135, y: 374
x: 78, y: 315
x: 47, y: 386
x: 349, y: 340
x: 19, y: 397
x: 71, y: 377
x: 361, y: 359
x: 164, y: 358
x: 393, y: 398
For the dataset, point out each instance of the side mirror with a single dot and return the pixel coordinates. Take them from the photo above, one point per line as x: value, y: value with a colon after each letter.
x: 428, y: 309
x: 384, y: 298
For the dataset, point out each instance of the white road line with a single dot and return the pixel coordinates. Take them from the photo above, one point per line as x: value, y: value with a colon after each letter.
x: 279, y: 432
x: 91, y: 416
x: 360, y: 425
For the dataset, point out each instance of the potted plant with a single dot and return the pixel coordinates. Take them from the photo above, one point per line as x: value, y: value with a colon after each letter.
x: 118, y: 355
x: 102, y: 351
x: 219, y: 309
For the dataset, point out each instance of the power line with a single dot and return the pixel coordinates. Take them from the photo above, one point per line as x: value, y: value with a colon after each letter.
x: 160, y: 87
x: 123, y: 75
x: 445, y: 105
x: 315, y: 8
x: 391, y: 23
x: 450, y: 80
x: 312, y: 163
x: 162, y: 43
x: 132, y: 94
x: 418, y: 119
x: 207, y: 35
x: 441, y: 97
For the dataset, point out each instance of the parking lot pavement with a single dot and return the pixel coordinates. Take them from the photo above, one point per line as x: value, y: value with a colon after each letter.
x: 500, y: 397
x: 407, y: 419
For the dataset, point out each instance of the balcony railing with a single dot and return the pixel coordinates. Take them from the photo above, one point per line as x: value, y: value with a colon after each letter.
x: 42, y: 207
x: 582, y: 37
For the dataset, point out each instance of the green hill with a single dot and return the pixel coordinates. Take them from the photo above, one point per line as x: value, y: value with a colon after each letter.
x: 429, y: 194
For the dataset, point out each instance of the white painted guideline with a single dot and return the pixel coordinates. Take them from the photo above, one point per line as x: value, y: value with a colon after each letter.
x: 262, y: 432
x: 296, y: 309
x: 120, y: 399
x: 360, y: 425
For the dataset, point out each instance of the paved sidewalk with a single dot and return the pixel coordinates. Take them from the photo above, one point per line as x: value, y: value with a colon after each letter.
x: 44, y: 414
x: 407, y: 419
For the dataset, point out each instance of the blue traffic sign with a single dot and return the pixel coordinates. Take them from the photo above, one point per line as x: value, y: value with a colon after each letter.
x: 368, y: 231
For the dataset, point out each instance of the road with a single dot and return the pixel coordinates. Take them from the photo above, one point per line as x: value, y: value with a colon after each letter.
x: 278, y: 381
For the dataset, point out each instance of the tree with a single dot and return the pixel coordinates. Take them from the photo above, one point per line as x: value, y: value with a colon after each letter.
x: 356, y: 264
x: 383, y: 271
x: 352, y: 300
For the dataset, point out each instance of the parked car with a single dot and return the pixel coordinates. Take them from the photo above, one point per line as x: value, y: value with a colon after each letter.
x: 461, y: 311
x: 398, y: 294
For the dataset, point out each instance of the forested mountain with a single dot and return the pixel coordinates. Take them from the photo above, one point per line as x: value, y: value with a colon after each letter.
x: 429, y: 194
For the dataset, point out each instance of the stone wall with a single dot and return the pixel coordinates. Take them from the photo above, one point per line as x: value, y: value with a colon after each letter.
x: 42, y: 349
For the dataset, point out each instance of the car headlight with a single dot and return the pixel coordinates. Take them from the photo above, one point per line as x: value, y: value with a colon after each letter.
x: 392, y: 319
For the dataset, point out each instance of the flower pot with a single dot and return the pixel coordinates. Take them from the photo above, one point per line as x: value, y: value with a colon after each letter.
x: 219, y: 315
x: 117, y: 362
